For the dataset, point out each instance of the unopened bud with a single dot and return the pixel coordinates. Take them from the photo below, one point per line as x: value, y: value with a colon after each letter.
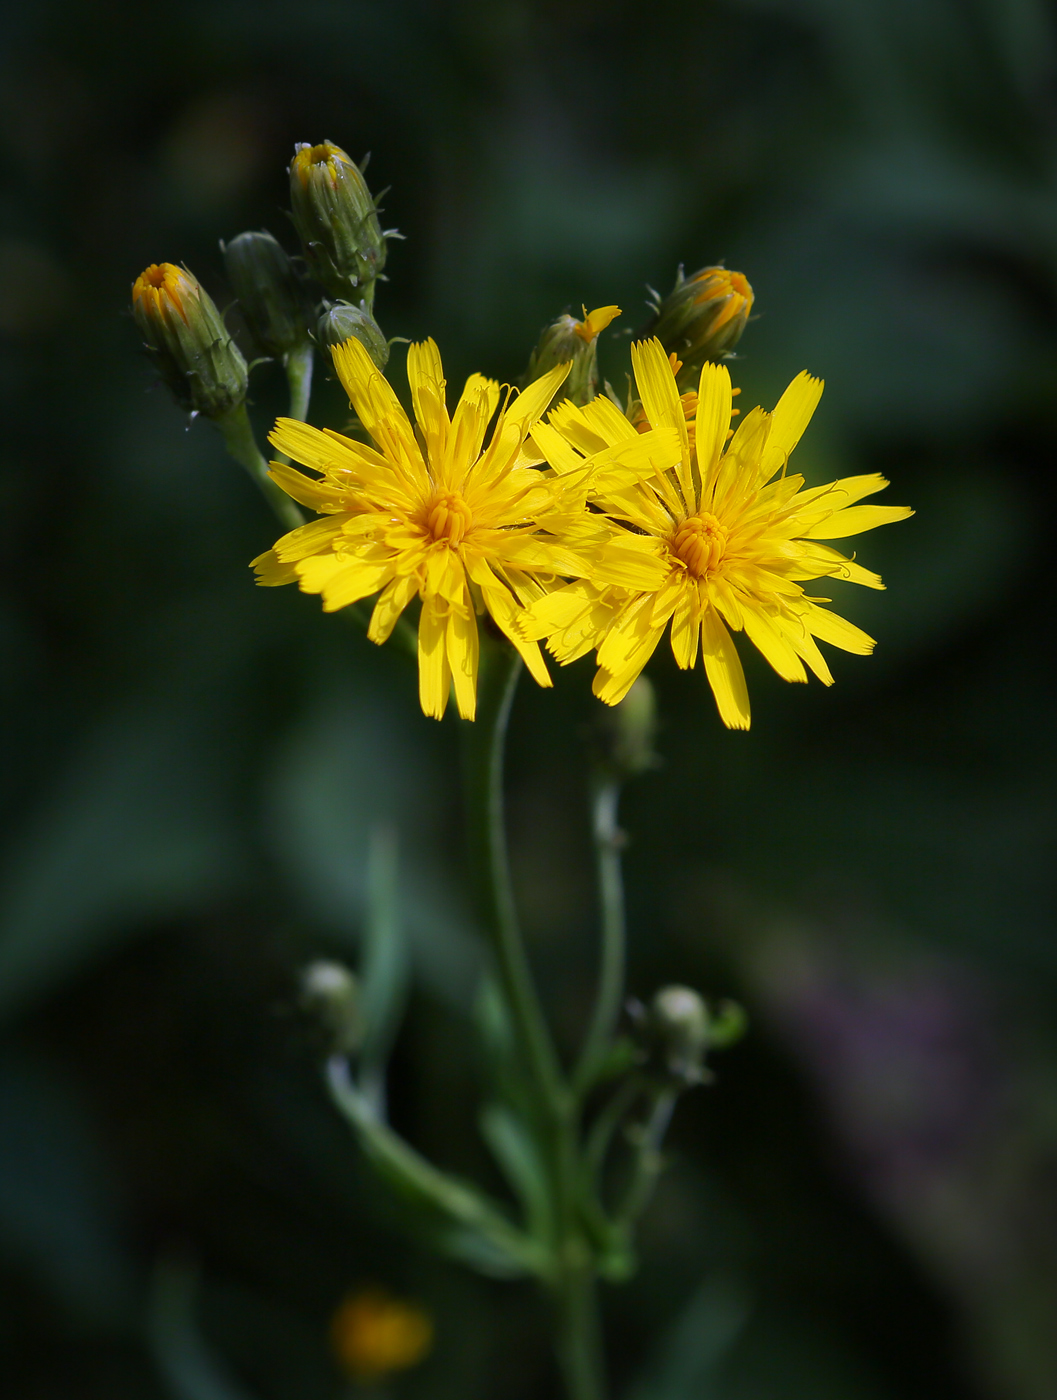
x: 188, y: 341
x: 271, y: 295
x: 625, y: 732
x: 702, y: 318
x: 343, y: 321
x: 337, y: 219
x: 677, y: 1030
x: 568, y: 339
x: 329, y: 993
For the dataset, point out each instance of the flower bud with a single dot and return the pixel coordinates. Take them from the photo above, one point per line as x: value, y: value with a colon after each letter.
x: 330, y: 995
x: 569, y: 339
x: 271, y: 295
x: 625, y: 732
x: 187, y: 338
x: 675, y: 1031
x: 342, y: 321
x: 702, y: 317
x: 337, y: 219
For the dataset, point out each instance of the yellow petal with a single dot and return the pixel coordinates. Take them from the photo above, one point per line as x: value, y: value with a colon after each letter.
x: 723, y: 668
x: 434, y: 674
x: 533, y: 401
x: 768, y: 640
x: 855, y: 520
x: 313, y: 538
x: 462, y: 648
x: 555, y: 450
x: 270, y: 573
x: 425, y: 374
x: 656, y: 386
x: 838, y: 631
x: 605, y: 419
x: 791, y: 416
x: 686, y: 628
x: 714, y: 403
x: 392, y: 601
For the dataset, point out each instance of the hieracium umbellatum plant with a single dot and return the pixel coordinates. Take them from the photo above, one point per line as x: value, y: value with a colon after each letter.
x: 485, y: 528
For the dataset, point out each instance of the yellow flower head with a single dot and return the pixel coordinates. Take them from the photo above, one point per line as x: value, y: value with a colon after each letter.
x: 726, y: 537
x: 445, y: 511
x: 373, y: 1334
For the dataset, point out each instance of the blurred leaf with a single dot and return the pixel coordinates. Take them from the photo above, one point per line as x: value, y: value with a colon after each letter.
x: 384, y: 963
x: 186, y: 1363
x: 355, y: 764
x: 58, y: 1213
x: 458, y: 1218
x: 520, y: 1161
x: 126, y: 836
x: 688, y: 1358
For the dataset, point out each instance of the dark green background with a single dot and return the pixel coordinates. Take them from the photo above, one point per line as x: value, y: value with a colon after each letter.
x: 864, y: 1205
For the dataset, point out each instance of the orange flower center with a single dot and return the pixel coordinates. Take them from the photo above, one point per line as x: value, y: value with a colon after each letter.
x: 699, y: 543
x: 449, y: 519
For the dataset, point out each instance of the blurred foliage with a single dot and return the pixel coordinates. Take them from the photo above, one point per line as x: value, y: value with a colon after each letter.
x: 863, y: 1205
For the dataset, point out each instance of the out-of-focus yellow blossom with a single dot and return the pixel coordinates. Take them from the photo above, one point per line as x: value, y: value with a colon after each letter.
x: 730, y: 536
x: 448, y: 510
x: 373, y: 1334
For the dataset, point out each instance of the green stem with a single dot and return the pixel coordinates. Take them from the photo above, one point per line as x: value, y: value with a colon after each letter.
x: 648, y: 1159
x: 499, y: 669
x: 242, y: 445
x: 580, y: 1337
x: 573, y: 1288
x: 608, y: 840
x: 298, y: 368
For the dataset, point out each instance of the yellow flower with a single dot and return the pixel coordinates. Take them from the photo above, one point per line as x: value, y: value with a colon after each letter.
x: 726, y: 538
x: 373, y: 1333
x: 434, y: 512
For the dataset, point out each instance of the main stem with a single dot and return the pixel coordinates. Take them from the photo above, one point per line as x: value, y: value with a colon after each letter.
x: 608, y: 838
x: 574, y: 1283
x: 499, y: 669
x: 299, y: 363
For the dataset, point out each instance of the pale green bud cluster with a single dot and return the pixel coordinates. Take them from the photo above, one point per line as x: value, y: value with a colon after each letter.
x: 271, y: 294
x: 336, y: 218
x: 279, y: 297
x: 188, y: 341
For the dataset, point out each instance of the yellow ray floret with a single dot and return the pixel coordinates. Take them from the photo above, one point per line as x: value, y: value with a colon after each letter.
x: 445, y: 510
x: 723, y: 538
